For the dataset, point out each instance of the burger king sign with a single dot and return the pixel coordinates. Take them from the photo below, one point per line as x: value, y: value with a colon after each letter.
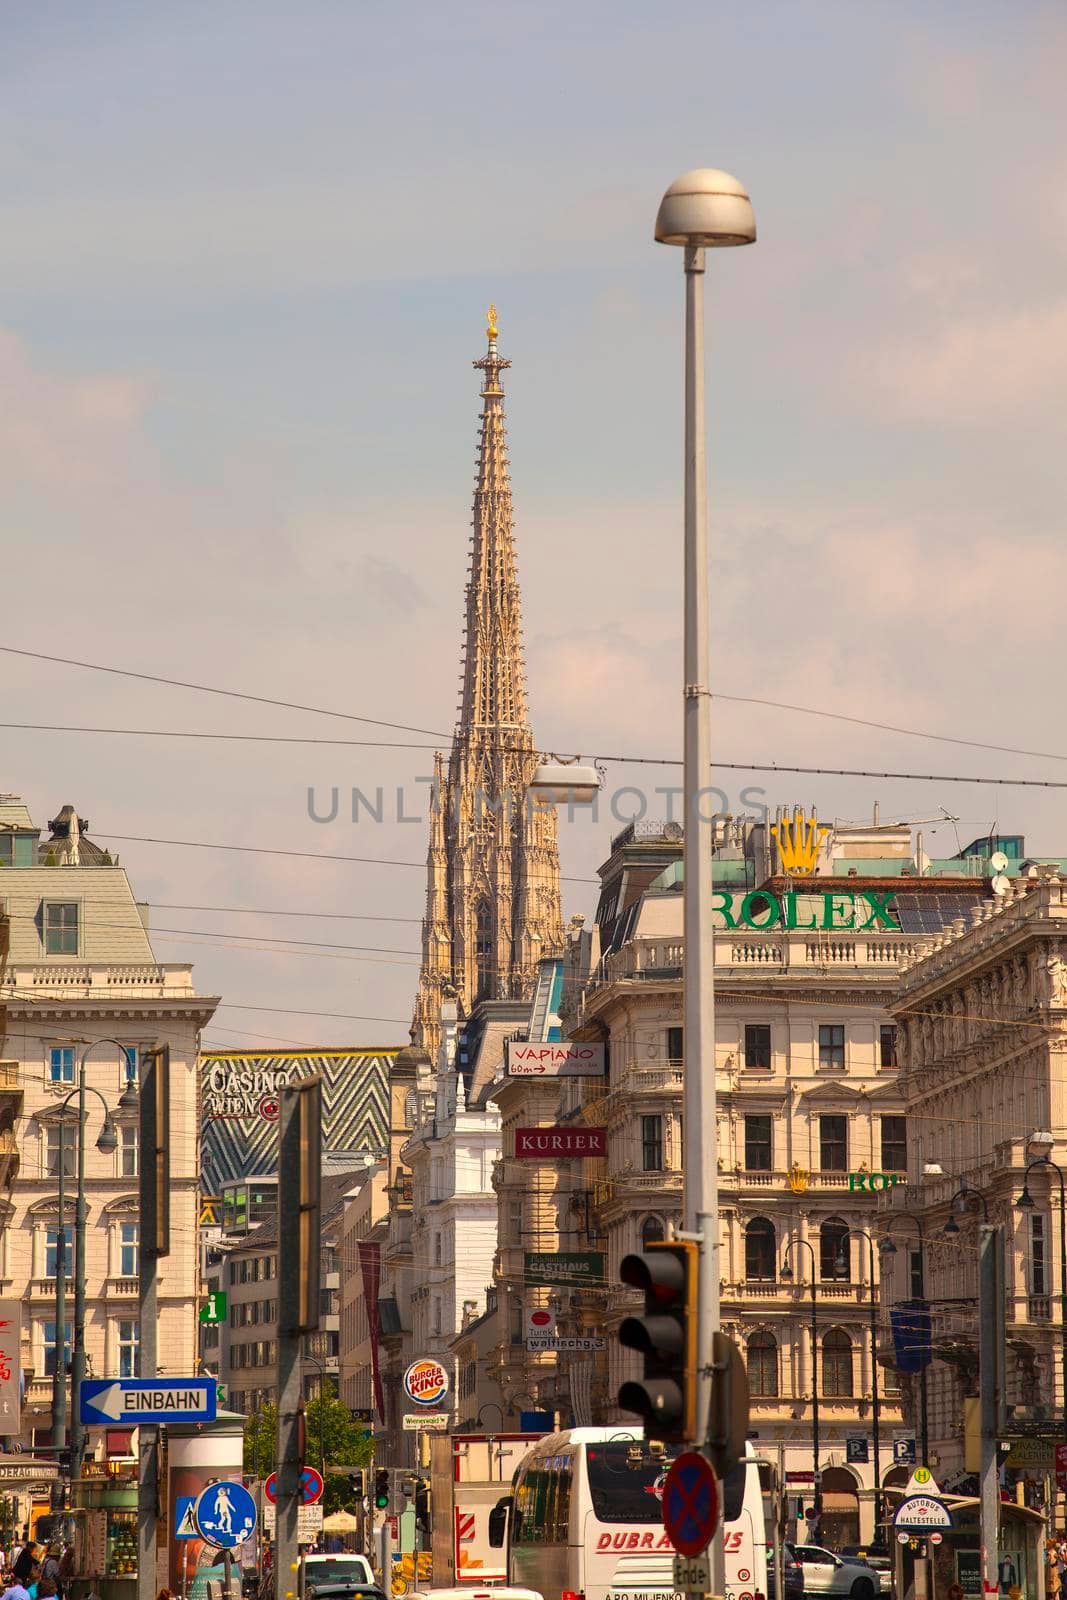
x: 426, y: 1382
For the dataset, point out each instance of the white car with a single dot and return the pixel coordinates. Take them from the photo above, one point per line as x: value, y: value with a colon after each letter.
x: 825, y: 1573
x: 342, y: 1567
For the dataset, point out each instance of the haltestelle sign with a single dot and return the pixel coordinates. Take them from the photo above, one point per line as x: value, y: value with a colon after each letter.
x: 552, y: 1144
x: 524, y: 1059
x: 859, y: 911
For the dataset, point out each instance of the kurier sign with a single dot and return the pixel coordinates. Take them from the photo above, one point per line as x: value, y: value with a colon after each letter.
x: 554, y: 1144
x: 831, y: 912
x: 562, y: 1060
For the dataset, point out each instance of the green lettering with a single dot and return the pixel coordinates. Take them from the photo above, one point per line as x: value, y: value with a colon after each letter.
x: 770, y: 904
x: 831, y: 904
x: 725, y: 908
x: 878, y: 1181
x: 857, y: 1180
x: 880, y: 911
x: 791, y: 912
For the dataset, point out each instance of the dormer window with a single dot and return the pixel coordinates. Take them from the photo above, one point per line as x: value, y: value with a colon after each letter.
x: 61, y: 927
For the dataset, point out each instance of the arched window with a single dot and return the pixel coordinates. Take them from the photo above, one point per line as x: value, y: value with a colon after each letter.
x: 763, y: 1366
x: 837, y: 1365
x: 835, y: 1256
x: 483, y: 949
x: 651, y: 1230
x: 760, y: 1261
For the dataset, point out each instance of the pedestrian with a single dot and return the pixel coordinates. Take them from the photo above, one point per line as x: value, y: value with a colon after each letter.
x: 22, y: 1566
x: 50, y: 1570
x: 15, y: 1591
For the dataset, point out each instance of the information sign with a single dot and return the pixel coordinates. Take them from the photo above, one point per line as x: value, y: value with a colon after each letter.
x: 225, y: 1514
x: 690, y: 1503
x: 692, y: 1574
x: 921, y: 1512
x: 214, y: 1307
x: 308, y: 1522
x: 134, y: 1400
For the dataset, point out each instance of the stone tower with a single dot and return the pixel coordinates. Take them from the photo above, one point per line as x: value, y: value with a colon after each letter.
x: 492, y: 893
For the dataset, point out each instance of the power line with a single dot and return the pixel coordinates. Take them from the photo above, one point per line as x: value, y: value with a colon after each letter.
x: 263, y: 850
x: 258, y: 911
x: 433, y: 733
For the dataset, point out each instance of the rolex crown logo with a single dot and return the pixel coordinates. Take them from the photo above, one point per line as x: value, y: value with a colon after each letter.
x: 798, y: 839
x: 798, y: 1178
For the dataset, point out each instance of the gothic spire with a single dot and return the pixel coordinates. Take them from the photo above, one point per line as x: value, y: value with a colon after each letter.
x: 492, y: 904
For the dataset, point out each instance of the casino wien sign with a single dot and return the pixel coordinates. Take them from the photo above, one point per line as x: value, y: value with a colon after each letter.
x: 861, y: 911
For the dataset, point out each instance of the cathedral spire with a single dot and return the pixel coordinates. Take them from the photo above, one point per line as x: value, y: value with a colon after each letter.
x: 493, y: 902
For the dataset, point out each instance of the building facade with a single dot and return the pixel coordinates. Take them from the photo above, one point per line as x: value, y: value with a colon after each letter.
x: 365, y: 1207
x: 82, y: 984
x: 982, y: 1020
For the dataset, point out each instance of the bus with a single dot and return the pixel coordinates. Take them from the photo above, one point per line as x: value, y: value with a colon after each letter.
x: 584, y: 1520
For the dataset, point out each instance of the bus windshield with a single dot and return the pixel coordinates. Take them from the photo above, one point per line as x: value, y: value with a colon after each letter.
x: 626, y: 1480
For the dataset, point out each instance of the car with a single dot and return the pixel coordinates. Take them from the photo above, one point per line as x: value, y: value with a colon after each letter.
x: 347, y: 1591
x: 792, y: 1573
x: 342, y: 1567
x: 471, y: 1591
x: 827, y: 1573
x: 872, y: 1555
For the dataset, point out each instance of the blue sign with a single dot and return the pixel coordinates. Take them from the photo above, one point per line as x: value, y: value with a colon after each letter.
x: 225, y: 1514
x: 130, y: 1401
x: 185, y: 1517
x: 910, y: 1322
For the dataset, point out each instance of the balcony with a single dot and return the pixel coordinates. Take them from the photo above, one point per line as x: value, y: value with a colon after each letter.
x: 101, y: 981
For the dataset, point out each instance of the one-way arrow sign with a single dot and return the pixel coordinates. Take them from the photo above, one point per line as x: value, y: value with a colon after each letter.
x: 135, y: 1400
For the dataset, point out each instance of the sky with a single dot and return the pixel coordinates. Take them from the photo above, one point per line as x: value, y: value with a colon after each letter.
x: 245, y: 257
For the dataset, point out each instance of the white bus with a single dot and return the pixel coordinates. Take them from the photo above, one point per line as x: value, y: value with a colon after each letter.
x: 585, y: 1520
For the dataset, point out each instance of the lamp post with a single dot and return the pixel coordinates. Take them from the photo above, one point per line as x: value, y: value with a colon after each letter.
x: 307, y: 1356
x: 888, y: 1248
x: 703, y: 209
x: 106, y: 1143
x: 1025, y: 1202
x: 876, y: 1405
x: 991, y: 1291
x: 787, y: 1277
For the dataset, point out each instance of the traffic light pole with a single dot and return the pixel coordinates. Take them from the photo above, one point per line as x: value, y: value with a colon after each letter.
x: 700, y: 1138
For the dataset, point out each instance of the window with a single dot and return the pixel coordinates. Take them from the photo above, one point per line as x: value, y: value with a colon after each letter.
x: 61, y: 928
x: 837, y: 1365
x: 675, y: 1044
x: 61, y: 1063
x: 915, y: 1274
x: 48, y: 1347
x: 483, y: 949
x: 758, y: 1144
x: 128, y: 1264
x: 129, y: 1349
x: 52, y: 1148
x: 894, y: 1144
x: 833, y: 1144
x: 651, y: 1144
x: 51, y: 1251
x: 437, y: 1249
x: 1038, y: 1264
x: 831, y: 1045
x: 887, y: 1045
x: 129, y: 1145
x: 760, y: 1264
x: 835, y: 1256
x: 651, y: 1231
x: 130, y: 1065
x: 757, y: 1044
x: 763, y: 1366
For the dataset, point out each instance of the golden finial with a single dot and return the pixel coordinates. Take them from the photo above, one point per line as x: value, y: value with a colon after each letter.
x: 491, y: 330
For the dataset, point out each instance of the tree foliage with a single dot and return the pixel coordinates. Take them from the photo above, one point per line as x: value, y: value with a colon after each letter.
x: 342, y: 1442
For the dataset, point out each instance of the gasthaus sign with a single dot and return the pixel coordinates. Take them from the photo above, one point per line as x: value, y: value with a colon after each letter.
x: 524, y: 1059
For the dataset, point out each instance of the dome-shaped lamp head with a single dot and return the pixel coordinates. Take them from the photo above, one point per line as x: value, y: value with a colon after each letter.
x: 706, y: 208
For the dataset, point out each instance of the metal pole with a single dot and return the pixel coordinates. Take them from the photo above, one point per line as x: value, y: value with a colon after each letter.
x: 148, y: 1312
x: 1063, y: 1287
x: 779, y: 1524
x: 817, y: 1497
x: 286, y: 1544
x: 77, y: 1360
x: 700, y: 1142
x: 876, y: 1412
x: 989, y: 1514
x: 59, y: 1373
x: 924, y: 1398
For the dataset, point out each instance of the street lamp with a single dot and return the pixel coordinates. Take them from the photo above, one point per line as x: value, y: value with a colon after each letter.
x: 888, y: 1248
x: 702, y: 209
x: 107, y: 1141
x: 1025, y: 1202
x: 322, y: 1401
x: 786, y: 1275
x: 966, y: 1194
x: 876, y: 1408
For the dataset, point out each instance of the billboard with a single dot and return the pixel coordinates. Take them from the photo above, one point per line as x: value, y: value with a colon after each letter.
x: 564, y: 1059
x: 553, y: 1144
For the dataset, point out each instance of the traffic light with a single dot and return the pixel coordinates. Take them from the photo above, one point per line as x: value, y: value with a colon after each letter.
x: 381, y: 1489
x: 666, y: 1400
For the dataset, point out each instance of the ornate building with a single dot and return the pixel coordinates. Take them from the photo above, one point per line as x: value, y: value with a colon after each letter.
x: 492, y: 895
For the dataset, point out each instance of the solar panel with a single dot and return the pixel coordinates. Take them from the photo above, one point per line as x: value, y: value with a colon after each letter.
x: 933, y: 913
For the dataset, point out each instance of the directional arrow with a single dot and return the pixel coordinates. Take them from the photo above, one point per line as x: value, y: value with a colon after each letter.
x: 136, y: 1400
x: 109, y: 1401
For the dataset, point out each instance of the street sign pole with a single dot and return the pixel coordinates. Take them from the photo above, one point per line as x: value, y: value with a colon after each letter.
x: 153, y: 1242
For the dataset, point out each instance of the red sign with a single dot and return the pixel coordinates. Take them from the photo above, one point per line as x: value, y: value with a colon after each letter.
x: 690, y: 1503
x: 554, y: 1144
